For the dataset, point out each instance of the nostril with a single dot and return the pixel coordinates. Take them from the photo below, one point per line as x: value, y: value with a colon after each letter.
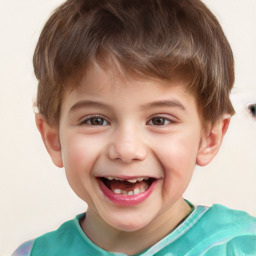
x: 252, y: 110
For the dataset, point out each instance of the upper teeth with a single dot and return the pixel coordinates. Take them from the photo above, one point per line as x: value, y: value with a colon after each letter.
x: 130, y: 180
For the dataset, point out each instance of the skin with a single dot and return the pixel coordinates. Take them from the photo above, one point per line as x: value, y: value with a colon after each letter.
x: 147, y: 128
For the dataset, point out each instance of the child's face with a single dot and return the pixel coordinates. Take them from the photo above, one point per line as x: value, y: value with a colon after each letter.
x: 128, y: 128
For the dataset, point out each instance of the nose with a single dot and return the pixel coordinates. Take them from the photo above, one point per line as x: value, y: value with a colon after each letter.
x: 127, y: 145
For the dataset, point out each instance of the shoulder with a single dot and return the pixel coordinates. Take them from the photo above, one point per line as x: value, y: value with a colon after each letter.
x: 220, y: 216
x: 229, y: 231
x: 24, y: 249
x: 217, y: 230
x: 65, y: 234
x: 68, y: 231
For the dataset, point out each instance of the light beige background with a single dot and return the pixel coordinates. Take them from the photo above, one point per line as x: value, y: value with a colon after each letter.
x: 35, y: 196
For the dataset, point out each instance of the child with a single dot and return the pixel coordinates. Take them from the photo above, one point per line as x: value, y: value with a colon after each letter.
x: 131, y: 96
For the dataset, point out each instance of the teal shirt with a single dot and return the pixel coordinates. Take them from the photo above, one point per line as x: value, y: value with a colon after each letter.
x: 214, y: 231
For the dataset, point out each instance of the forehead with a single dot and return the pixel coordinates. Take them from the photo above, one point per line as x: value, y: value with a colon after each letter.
x: 107, y: 88
x: 103, y: 78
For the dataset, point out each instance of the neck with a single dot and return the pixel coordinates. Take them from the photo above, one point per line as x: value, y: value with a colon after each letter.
x: 130, y: 243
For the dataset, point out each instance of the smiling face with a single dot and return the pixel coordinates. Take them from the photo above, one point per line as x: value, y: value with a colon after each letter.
x: 129, y: 147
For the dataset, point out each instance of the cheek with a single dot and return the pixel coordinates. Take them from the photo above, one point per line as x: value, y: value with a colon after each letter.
x: 178, y: 158
x: 80, y: 151
x: 79, y: 157
x: 178, y: 152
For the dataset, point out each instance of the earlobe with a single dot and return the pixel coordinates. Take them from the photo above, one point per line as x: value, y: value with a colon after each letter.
x: 50, y: 137
x: 211, y: 141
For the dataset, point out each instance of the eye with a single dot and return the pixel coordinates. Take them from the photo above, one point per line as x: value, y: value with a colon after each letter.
x: 159, y: 121
x: 95, y: 121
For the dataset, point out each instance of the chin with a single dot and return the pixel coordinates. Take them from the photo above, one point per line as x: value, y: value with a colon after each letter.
x: 129, y: 224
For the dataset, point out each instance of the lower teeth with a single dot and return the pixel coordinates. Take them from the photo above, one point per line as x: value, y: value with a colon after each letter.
x: 129, y: 193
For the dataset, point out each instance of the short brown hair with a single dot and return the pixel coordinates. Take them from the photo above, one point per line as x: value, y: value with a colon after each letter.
x: 156, y: 38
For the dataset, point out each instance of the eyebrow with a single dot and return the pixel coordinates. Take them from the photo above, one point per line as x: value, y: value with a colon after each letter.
x: 87, y: 104
x: 160, y: 103
x: 165, y: 103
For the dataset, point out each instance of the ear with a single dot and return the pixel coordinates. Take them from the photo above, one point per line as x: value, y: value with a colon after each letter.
x: 211, y: 140
x: 50, y: 137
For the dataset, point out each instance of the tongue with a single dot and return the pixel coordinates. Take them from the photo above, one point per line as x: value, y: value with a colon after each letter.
x: 125, y: 185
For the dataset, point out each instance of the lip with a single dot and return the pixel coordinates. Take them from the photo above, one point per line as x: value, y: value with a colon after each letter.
x: 125, y: 200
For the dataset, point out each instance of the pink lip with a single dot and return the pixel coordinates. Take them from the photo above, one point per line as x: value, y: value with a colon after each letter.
x: 125, y: 200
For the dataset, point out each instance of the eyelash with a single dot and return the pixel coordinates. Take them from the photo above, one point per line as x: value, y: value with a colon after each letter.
x: 89, y: 121
x: 160, y: 118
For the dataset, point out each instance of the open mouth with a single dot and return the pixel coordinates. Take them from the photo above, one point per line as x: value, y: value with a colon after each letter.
x: 129, y: 187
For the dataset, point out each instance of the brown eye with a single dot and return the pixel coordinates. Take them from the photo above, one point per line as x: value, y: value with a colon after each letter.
x: 97, y: 121
x: 158, y: 121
